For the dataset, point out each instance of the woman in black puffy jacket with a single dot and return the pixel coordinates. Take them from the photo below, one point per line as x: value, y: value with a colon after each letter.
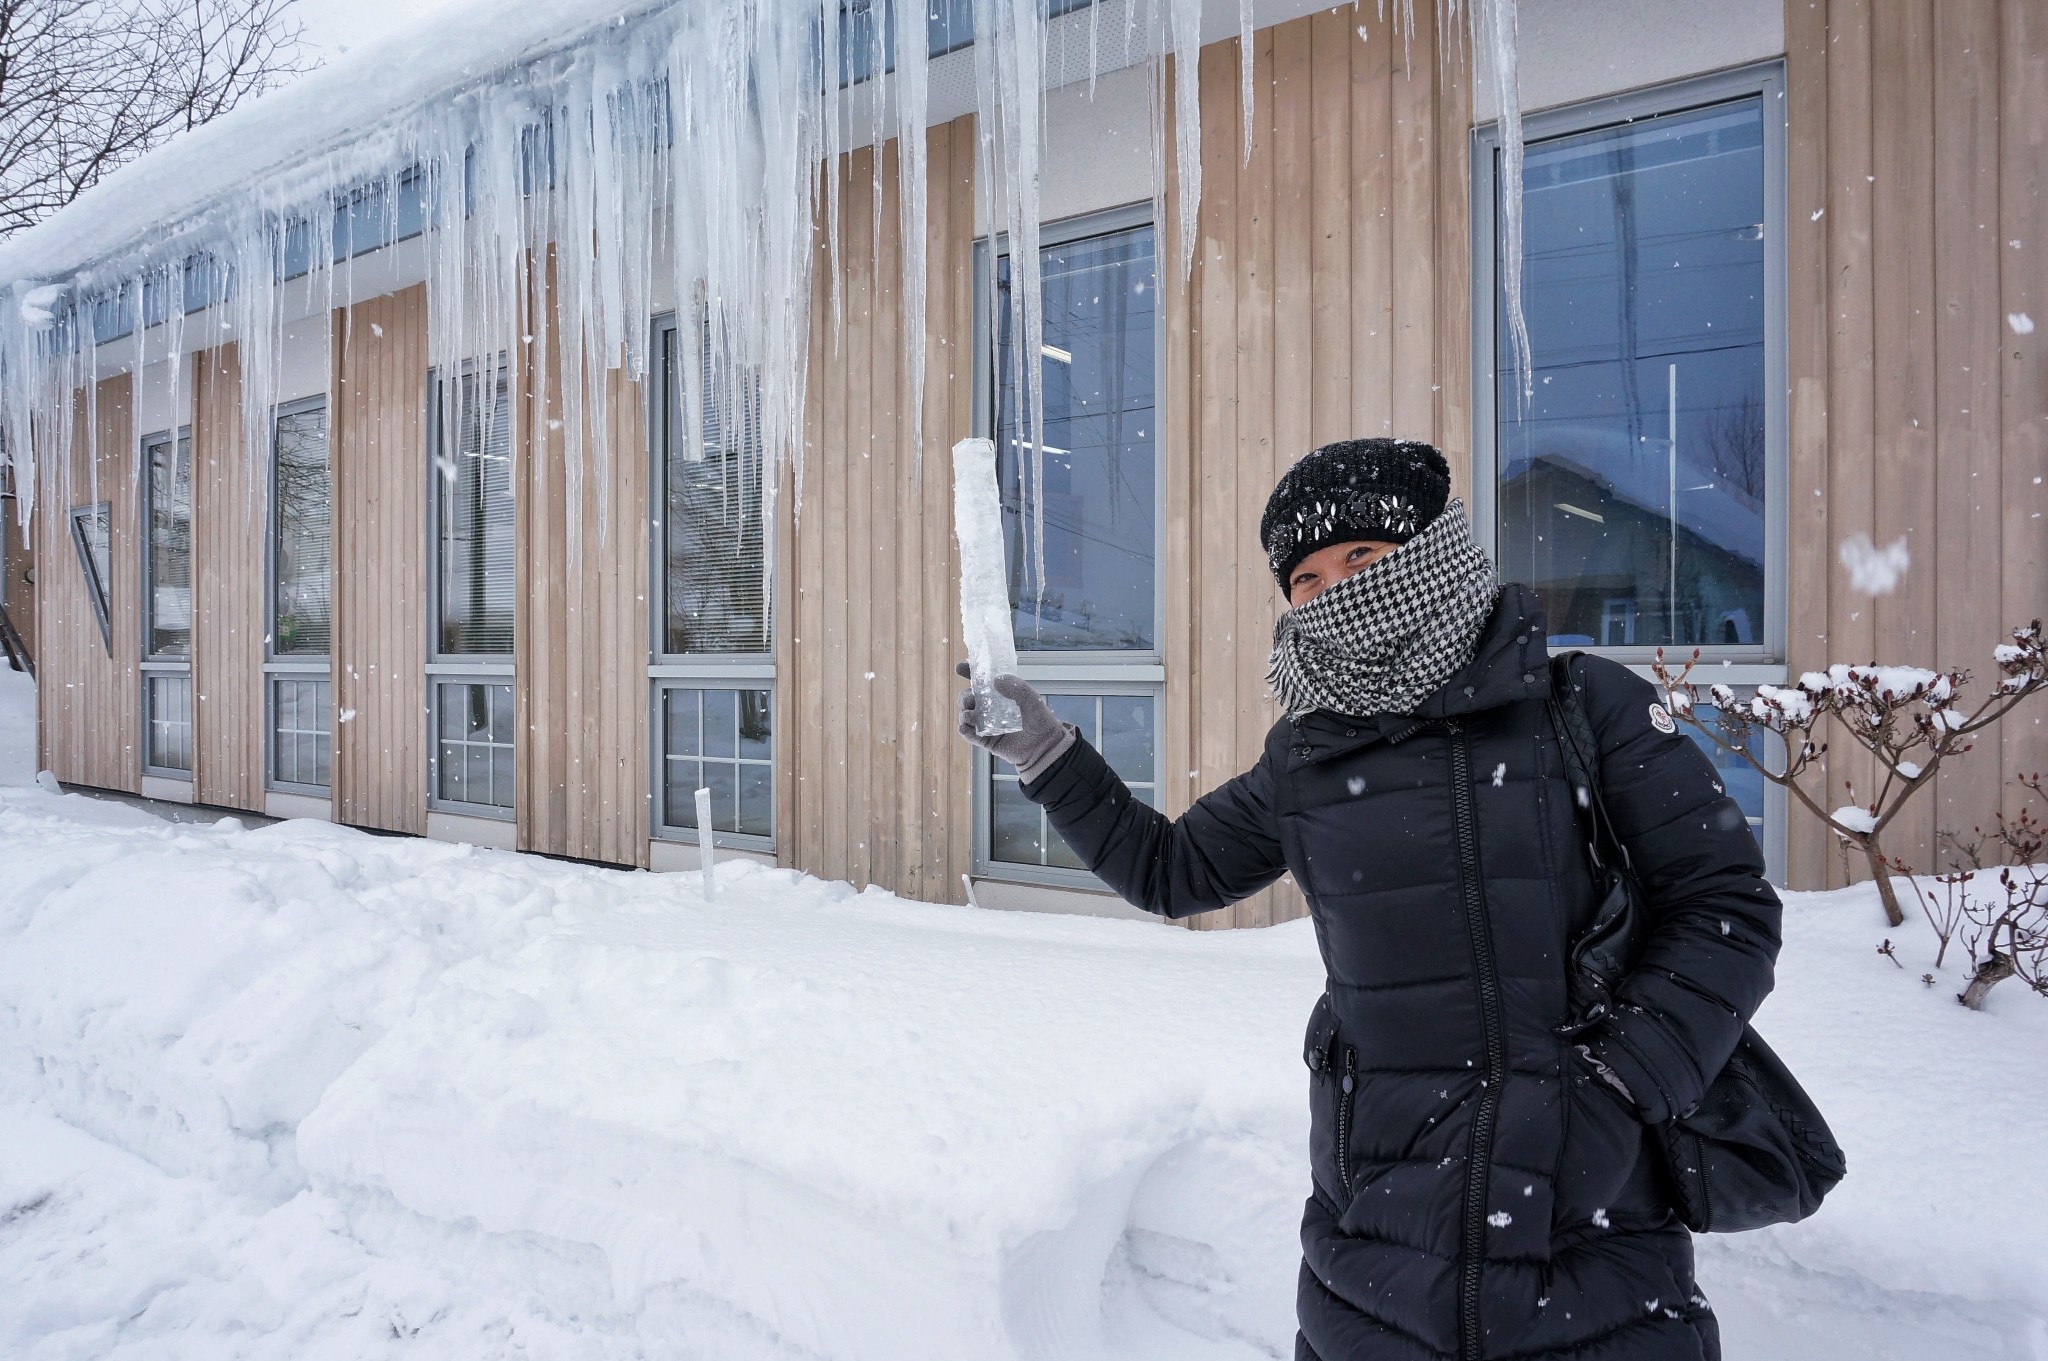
x: 1483, y: 1184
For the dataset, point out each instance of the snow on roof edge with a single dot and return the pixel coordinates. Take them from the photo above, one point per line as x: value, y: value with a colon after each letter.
x: 347, y: 103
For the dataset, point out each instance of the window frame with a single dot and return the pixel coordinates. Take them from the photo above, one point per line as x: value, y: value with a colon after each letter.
x: 1745, y: 664
x: 697, y: 670
x: 149, y: 444
x: 1076, y: 671
x: 99, y: 589
x: 1059, y: 876
x: 438, y: 676
x: 465, y: 668
x: 658, y: 825
x: 298, y: 665
x: 154, y: 666
x: 151, y: 673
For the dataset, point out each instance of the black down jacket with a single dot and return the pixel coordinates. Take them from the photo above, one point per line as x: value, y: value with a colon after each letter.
x: 1478, y: 1192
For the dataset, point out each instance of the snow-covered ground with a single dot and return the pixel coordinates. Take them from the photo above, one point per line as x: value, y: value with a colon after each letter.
x: 302, y: 1092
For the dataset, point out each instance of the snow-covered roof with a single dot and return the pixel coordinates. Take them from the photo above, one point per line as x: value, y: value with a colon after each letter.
x: 339, y: 105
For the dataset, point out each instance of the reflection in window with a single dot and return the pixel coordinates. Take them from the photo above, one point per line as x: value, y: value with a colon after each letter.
x: 715, y: 594
x: 1743, y: 781
x: 1122, y: 728
x: 473, y: 749
x: 1632, y: 484
x: 1100, y: 502
x: 302, y: 609
x: 724, y: 741
x: 169, y: 746
x: 474, y: 516
x: 301, y: 738
x: 168, y: 597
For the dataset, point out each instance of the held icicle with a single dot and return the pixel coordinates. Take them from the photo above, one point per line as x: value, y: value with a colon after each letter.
x: 984, y: 586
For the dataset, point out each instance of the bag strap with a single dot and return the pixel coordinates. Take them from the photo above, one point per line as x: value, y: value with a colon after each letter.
x: 1580, y: 749
x: 1604, y: 952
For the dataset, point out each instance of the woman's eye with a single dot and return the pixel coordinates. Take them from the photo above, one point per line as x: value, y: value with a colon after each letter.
x: 1358, y: 553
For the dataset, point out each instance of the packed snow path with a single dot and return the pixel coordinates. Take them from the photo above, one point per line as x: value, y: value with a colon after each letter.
x: 304, y: 1092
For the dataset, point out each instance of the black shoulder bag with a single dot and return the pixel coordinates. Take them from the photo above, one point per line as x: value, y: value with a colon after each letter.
x: 1754, y: 1150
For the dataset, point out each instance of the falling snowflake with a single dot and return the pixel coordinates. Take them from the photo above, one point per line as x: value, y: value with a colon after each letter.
x: 1874, y: 570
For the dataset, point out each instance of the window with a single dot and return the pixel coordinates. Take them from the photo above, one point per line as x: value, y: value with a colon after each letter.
x: 92, y: 535
x: 1123, y: 728
x: 714, y: 682
x: 1088, y: 634
x: 475, y: 585
x: 714, y: 579
x: 169, y: 701
x: 473, y: 744
x: 948, y: 27
x: 474, y: 510
x: 298, y: 665
x: 1100, y: 489
x: 721, y: 740
x: 167, y: 572
x: 1638, y: 488
x: 301, y: 734
x: 167, y: 603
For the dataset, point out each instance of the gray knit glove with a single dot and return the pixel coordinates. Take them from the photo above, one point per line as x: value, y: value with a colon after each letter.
x: 1032, y: 749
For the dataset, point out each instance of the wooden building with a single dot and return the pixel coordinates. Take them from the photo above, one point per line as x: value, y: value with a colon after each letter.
x: 1783, y: 264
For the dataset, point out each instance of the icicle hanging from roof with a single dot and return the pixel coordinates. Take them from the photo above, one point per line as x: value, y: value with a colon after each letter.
x: 552, y: 190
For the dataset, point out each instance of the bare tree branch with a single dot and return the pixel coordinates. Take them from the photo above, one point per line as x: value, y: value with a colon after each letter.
x: 88, y: 85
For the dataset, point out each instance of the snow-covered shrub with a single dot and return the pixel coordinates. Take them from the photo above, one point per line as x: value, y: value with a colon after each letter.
x: 2005, y: 930
x: 1907, y: 718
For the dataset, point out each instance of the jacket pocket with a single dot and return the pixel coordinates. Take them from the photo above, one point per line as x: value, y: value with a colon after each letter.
x: 1603, y: 1145
x: 1331, y: 1090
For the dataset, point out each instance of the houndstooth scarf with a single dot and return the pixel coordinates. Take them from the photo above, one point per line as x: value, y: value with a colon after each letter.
x: 1384, y: 640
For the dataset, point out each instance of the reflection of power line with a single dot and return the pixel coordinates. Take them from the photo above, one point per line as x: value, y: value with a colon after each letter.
x: 1566, y: 365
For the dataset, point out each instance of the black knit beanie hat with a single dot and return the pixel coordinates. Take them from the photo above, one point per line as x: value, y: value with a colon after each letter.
x: 1387, y: 490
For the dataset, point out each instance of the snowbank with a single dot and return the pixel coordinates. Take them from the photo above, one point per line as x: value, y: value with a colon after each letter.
x: 304, y: 1092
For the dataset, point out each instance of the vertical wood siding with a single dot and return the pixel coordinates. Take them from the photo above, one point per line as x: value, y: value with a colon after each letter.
x: 229, y: 514
x: 89, y: 703
x: 1329, y: 298
x: 378, y: 434
x: 1917, y: 224
x: 583, y: 623
x: 875, y: 786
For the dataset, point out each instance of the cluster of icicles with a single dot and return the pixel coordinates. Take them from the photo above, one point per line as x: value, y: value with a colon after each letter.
x: 690, y: 136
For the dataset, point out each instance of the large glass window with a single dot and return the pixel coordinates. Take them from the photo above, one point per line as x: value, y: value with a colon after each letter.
x: 475, y: 592
x: 302, y: 545
x: 714, y: 682
x: 714, y: 582
x: 167, y: 603
x: 474, y: 519
x: 1088, y: 634
x: 301, y: 601
x: 1100, y: 492
x: 168, y: 569
x: 1632, y: 487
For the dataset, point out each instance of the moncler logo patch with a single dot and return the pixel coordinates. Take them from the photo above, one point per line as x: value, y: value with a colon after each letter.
x: 1660, y: 719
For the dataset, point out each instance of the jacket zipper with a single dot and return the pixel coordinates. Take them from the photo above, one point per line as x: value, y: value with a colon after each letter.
x: 1480, y: 1156
x: 1346, y: 1085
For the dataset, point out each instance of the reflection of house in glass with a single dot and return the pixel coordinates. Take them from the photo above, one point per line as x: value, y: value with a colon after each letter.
x: 1594, y: 530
